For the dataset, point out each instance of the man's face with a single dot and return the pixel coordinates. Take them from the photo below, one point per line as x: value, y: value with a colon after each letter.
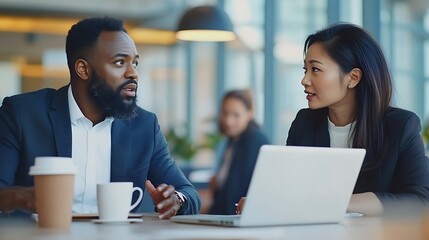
x: 113, y: 76
x: 111, y: 100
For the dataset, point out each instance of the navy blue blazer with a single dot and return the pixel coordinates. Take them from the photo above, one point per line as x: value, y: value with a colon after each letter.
x: 244, y: 155
x: 403, y: 173
x: 38, y: 124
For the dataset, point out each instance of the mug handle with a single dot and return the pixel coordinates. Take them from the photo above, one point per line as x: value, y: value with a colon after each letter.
x: 138, y: 199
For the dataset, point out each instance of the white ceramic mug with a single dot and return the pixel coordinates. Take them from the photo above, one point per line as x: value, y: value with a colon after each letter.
x: 114, y: 200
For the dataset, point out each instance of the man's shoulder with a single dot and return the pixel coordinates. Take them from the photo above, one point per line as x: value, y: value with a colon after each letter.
x: 31, y: 100
x: 143, y: 113
x: 144, y: 118
x: 41, y: 94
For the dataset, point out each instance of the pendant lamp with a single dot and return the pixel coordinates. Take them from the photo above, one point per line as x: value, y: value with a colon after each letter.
x: 206, y: 24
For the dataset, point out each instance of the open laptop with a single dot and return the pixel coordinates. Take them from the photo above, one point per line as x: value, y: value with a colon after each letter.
x: 294, y: 185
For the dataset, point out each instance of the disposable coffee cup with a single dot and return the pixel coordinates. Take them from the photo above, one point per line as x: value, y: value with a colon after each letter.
x: 114, y: 200
x: 54, y: 184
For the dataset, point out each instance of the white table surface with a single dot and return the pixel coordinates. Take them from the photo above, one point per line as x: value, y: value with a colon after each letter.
x: 367, y: 228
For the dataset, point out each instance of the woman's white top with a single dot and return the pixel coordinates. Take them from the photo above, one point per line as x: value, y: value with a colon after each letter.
x: 340, y: 136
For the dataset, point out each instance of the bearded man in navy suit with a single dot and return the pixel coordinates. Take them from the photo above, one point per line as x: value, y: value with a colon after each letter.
x: 94, y: 120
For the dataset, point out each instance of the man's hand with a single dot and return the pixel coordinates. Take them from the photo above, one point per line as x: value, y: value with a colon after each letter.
x: 165, y: 199
x: 13, y: 198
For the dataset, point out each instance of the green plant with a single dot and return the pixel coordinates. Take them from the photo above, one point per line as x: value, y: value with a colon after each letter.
x: 211, y: 140
x: 426, y: 133
x: 182, y: 147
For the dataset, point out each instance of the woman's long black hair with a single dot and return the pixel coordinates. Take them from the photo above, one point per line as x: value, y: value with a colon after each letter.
x: 351, y: 47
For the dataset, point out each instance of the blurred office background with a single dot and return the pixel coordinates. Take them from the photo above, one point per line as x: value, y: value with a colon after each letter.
x: 183, y: 82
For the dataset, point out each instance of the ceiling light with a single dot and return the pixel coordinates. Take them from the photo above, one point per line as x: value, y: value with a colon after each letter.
x: 205, y: 23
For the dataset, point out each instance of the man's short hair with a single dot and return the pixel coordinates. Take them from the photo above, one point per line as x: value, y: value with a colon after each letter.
x: 83, y: 36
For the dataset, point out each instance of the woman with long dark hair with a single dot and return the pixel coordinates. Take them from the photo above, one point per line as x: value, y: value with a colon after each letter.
x: 349, y: 89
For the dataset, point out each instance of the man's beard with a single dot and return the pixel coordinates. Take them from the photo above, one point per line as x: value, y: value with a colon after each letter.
x: 111, y: 101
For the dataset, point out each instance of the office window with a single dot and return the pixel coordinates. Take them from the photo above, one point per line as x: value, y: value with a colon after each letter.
x: 404, y: 46
x: 351, y: 11
x: 296, y: 20
x: 426, y: 63
x: 244, y: 56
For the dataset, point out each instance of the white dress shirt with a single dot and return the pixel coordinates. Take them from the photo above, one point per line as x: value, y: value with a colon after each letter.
x: 91, y: 147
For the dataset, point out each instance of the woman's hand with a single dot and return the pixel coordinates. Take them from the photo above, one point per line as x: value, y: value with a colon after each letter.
x: 213, y: 183
x: 239, y: 205
x: 366, y: 203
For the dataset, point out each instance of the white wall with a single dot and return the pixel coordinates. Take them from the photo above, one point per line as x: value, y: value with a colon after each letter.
x: 10, y: 80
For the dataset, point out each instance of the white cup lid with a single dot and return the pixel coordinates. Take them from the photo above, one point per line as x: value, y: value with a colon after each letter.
x: 52, y: 166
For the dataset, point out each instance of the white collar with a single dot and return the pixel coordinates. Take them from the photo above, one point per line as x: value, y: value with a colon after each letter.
x: 341, y: 128
x: 75, y: 112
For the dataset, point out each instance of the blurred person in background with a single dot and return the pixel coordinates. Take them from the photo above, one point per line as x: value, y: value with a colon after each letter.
x: 238, y: 151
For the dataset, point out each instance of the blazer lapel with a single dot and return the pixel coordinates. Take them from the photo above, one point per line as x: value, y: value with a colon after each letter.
x: 60, y: 119
x: 120, y: 146
x: 321, y: 134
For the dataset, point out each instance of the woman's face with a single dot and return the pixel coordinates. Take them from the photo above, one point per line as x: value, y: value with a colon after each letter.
x: 234, y: 117
x: 324, y: 84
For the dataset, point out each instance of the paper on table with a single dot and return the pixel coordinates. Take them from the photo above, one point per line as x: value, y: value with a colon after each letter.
x: 150, y: 215
x: 354, y: 214
x: 90, y: 216
x: 87, y: 216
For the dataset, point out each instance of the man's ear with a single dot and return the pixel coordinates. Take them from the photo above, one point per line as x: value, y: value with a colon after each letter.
x: 355, y: 75
x: 82, y: 69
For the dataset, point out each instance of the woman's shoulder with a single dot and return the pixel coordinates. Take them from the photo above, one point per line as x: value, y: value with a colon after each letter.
x: 255, y: 134
x: 400, y: 116
x: 255, y: 131
x: 401, y: 120
x: 312, y: 112
x: 307, y: 115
